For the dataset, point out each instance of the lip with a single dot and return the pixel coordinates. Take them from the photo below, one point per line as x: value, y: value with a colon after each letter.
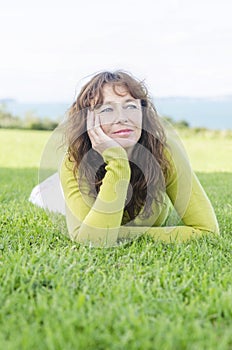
x: 123, y: 132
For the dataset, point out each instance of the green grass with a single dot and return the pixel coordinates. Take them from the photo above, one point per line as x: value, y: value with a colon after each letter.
x: 55, y: 294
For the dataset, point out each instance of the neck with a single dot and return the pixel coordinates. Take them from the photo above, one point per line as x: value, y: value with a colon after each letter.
x: 129, y: 151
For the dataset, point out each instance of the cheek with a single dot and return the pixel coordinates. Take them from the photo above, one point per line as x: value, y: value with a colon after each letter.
x: 104, y: 125
x: 105, y: 128
x: 138, y: 121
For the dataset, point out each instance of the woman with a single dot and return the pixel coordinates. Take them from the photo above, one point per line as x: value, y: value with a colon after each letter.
x: 124, y: 171
x: 121, y: 174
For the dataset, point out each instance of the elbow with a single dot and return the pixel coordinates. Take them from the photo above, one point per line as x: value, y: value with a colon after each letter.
x: 215, y: 230
x: 214, y: 227
x: 94, y: 237
x: 210, y: 229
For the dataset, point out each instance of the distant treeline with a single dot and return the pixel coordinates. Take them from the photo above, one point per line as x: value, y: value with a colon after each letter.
x: 30, y: 121
x: 179, y: 124
x: 33, y: 122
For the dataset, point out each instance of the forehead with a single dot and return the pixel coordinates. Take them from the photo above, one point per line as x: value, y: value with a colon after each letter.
x: 115, y: 93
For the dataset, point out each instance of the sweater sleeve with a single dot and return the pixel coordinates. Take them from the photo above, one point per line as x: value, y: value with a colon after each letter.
x: 188, y: 198
x: 186, y: 193
x: 97, y: 221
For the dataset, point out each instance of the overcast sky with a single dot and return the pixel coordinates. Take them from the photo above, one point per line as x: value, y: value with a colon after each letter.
x: 180, y: 47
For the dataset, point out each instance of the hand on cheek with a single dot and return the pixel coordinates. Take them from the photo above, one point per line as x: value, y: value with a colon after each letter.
x: 100, y: 141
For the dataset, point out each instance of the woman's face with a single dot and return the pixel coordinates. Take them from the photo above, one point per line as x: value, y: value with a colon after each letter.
x: 120, y: 116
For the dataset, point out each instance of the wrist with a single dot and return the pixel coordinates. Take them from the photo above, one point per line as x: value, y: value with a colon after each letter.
x: 115, y: 152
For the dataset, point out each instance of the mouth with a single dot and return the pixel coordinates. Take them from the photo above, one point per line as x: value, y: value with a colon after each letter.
x: 123, y: 132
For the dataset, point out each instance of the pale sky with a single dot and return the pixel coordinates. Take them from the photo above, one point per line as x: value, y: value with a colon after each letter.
x: 180, y: 47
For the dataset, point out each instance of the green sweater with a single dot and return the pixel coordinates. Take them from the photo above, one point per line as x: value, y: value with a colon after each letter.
x: 98, y: 222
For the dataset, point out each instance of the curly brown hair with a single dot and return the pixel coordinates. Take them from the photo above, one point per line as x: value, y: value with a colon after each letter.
x: 148, y: 169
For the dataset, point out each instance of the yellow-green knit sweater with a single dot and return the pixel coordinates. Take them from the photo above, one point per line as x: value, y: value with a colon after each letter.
x: 98, y: 222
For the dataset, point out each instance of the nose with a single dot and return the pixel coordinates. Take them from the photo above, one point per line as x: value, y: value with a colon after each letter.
x: 121, y: 116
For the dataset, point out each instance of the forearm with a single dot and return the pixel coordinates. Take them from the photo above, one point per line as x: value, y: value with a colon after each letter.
x: 98, y: 222
x: 164, y: 234
x: 97, y: 229
x: 111, y: 237
x: 94, y: 236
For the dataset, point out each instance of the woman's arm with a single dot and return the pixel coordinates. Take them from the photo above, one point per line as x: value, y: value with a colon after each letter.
x: 97, y: 222
x: 91, y: 221
x: 188, y: 198
x: 186, y: 193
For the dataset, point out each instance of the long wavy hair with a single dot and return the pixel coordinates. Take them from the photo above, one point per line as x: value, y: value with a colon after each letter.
x: 148, y: 169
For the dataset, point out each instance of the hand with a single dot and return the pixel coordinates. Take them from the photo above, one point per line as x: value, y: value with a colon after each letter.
x: 100, y: 141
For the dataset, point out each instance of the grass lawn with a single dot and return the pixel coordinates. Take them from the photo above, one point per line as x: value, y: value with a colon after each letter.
x: 55, y: 294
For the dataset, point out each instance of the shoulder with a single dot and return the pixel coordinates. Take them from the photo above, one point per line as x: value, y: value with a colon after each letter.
x: 175, y: 150
x: 176, y: 156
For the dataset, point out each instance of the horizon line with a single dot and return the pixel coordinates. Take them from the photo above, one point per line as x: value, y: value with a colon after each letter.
x: 13, y: 99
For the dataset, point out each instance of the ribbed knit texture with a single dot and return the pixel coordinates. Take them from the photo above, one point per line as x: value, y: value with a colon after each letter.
x: 98, y: 222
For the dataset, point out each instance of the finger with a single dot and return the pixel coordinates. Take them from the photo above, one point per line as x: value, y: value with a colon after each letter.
x: 97, y: 121
x: 90, y: 120
x: 98, y: 129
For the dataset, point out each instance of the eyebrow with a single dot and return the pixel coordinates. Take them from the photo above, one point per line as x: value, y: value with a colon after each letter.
x: 128, y: 100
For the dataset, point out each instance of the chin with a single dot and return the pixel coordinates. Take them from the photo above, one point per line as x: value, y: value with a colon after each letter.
x: 126, y: 143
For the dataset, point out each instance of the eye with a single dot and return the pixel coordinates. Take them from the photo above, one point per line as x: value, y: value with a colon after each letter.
x: 107, y: 109
x: 131, y: 106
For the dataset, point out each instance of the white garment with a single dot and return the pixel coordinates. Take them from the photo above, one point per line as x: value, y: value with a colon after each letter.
x: 49, y: 195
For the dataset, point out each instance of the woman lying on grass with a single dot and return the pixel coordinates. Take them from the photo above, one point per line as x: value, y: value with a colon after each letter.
x: 121, y: 175
x: 124, y: 171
